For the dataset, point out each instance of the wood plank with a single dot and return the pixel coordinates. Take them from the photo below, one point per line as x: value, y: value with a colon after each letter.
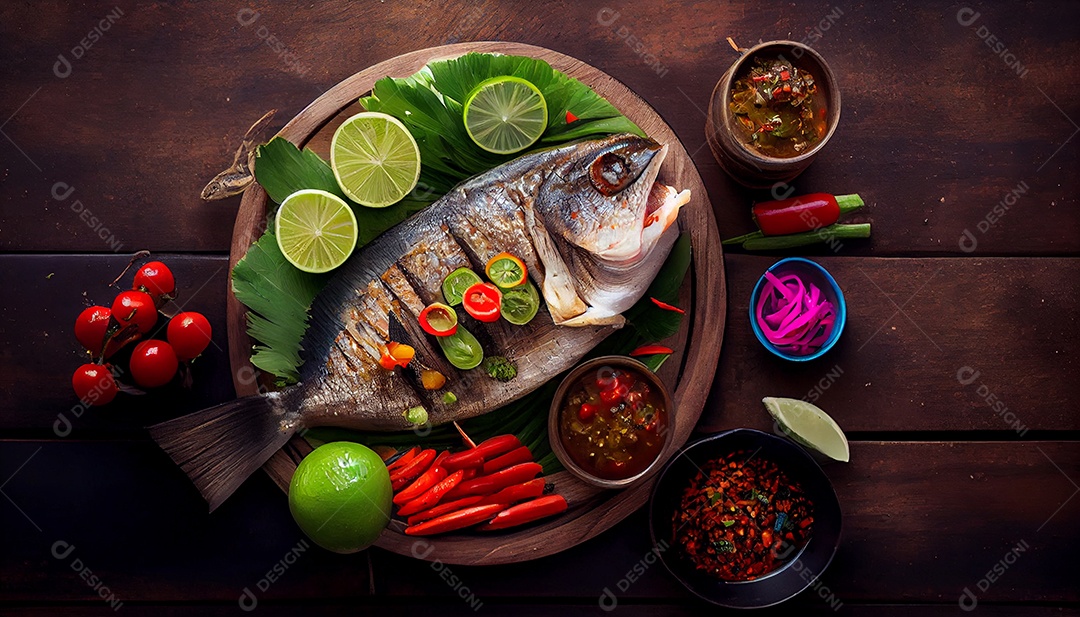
x: 563, y: 609
x: 909, y: 519
x: 904, y: 142
x: 1009, y: 327
x: 143, y: 530
x: 39, y: 351
x: 1003, y: 318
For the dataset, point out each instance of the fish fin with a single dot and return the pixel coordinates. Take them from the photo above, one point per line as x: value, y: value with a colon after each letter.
x: 219, y: 447
x: 594, y: 317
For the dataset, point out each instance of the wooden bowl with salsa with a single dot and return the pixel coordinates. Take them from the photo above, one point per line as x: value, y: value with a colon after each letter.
x: 771, y: 113
x: 610, y: 420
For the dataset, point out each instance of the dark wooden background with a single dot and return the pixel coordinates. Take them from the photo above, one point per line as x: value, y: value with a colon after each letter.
x: 937, y: 130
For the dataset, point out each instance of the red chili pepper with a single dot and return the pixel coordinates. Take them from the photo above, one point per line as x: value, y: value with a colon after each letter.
x: 404, y: 459
x: 486, y: 485
x: 518, y: 492
x: 527, y: 512
x: 445, y: 508
x: 570, y: 117
x: 464, y: 460
x: 454, y: 521
x: 491, y: 448
x: 587, y: 411
x: 667, y: 307
x: 470, y: 473
x: 428, y: 479
x: 805, y: 213
x: 648, y: 350
x: 513, y: 457
x: 412, y: 469
x: 438, y: 319
x: 431, y: 497
x: 785, y: 75
x: 483, y: 301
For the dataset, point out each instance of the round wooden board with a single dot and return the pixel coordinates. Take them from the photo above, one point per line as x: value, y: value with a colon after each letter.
x: 689, y: 371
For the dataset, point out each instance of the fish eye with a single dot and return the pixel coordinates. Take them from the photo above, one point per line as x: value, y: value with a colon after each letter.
x: 610, y: 173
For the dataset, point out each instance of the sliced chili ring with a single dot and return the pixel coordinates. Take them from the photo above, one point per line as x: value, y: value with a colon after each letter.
x: 439, y: 319
x: 506, y: 270
x: 483, y: 301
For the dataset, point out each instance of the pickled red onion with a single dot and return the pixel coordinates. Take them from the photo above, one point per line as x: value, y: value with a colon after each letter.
x: 794, y: 316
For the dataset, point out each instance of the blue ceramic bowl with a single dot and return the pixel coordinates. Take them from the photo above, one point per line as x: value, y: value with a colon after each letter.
x: 810, y: 272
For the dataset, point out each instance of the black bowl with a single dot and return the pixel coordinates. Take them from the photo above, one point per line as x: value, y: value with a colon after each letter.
x: 797, y: 573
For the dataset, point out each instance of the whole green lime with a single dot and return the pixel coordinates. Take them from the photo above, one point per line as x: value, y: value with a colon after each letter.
x: 340, y: 496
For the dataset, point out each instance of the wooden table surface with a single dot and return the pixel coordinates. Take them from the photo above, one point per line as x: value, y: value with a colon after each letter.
x: 956, y: 378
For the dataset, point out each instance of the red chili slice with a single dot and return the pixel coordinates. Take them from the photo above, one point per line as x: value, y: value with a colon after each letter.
x: 454, y: 521
x: 648, y: 350
x: 483, y: 302
x: 527, y: 512
x: 570, y: 117
x: 438, y: 319
x: 667, y: 307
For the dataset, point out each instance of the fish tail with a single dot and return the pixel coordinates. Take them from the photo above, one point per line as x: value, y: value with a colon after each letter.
x: 219, y: 447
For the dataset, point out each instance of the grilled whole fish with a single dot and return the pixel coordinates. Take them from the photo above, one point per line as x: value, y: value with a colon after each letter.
x: 593, y: 228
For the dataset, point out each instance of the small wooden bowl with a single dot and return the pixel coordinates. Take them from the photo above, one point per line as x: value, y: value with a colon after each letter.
x: 745, y: 164
x: 556, y: 409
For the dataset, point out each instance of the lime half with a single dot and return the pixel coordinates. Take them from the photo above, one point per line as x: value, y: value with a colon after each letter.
x: 375, y: 159
x: 340, y: 496
x: 505, y: 114
x: 520, y: 304
x: 810, y: 426
x: 315, y: 230
x: 455, y: 284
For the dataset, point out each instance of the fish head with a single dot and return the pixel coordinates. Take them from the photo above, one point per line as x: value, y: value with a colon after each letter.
x: 602, y: 197
x: 613, y: 225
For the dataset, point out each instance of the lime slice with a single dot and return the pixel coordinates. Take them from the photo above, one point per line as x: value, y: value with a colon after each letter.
x: 506, y: 271
x: 810, y: 426
x: 520, y: 304
x: 315, y: 230
x: 455, y: 284
x: 340, y: 496
x: 505, y: 114
x: 375, y: 159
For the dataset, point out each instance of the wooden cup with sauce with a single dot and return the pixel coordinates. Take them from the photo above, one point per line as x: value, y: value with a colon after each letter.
x: 744, y: 163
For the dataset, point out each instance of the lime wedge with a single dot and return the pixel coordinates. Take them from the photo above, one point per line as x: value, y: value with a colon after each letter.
x: 375, y: 159
x: 315, y: 230
x: 810, y: 426
x: 455, y: 284
x: 520, y: 304
x: 505, y: 114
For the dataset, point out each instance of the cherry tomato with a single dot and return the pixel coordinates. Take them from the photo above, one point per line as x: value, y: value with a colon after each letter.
x: 483, y: 301
x: 94, y: 384
x: 156, y: 279
x: 135, y: 307
x: 189, y: 335
x: 91, y: 326
x: 153, y: 363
